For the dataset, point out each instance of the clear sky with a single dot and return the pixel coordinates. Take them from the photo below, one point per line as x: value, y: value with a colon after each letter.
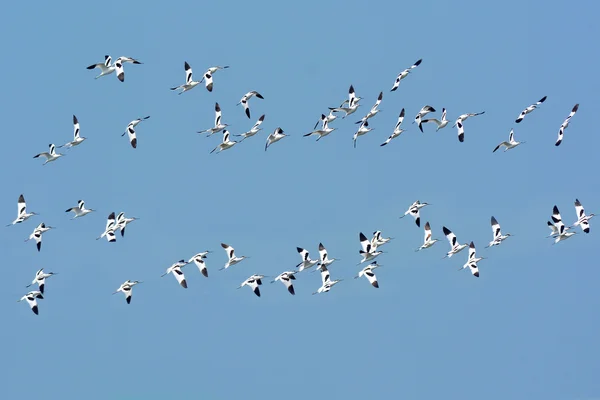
x: 526, y: 329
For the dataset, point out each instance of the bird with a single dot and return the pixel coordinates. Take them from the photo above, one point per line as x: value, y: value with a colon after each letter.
x: 40, y: 279
x: 324, y: 131
x: 132, y: 136
x: 232, y: 257
x: 363, y: 129
x: 461, y: 131
x: 122, y: 222
x: 208, y: 77
x: 80, y: 210
x: 562, y: 233
x: 329, y: 118
x: 498, y: 236
x: 464, y: 117
x: 324, y: 256
x: 246, y: 98
x: 219, y: 126
x: 51, y: 155
x: 286, y: 278
x: 413, y: 210
x: 352, y: 103
x: 129, y: 60
x: 135, y: 123
x: 37, y: 234
x: 31, y: 300
x: 378, y: 240
x: 119, y: 69
x: 126, y: 288
x: 455, y: 247
x: 226, y: 143
x: 22, y: 214
x: 198, y: 259
x: 105, y: 67
x: 368, y: 251
x: 404, y: 74
x: 397, y: 129
x: 327, y: 283
x: 254, y: 130
x: 368, y: 273
x: 529, y: 109
x: 190, y: 83
x: 583, y: 220
x: 76, y: 138
x: 427, y: 241
x: 565, y: 124
x: 511, y: 144
x: 424, y: 111
x: 374, y: 110
x: 440, y: 124
x: 253, y: 282
x: 109, y: 231
x: 175, y: 269
x: 276, y: 136
x: 306, y: 262
x: 472, y: 261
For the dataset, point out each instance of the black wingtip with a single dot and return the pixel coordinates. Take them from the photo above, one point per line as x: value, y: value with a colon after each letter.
x: 121, y: 77
x: 257, y: 291
x: 476, y: 274
x: 248, y: 112
x: 134, y: 143
x: 375, y: 284
x: 39, y: 246
x: 35, y: 310
x: 362, y: 237
x: 184, y: 284
x: 291, y: 290
x: 446, y: 231
x: 128, y: 299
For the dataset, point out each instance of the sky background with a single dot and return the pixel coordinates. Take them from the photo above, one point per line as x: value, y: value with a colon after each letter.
x: 526, y: 329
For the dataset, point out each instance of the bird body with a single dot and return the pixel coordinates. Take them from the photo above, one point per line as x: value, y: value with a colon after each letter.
x: 80, y: 210
x: 50, y: 155
x: 22, y: 214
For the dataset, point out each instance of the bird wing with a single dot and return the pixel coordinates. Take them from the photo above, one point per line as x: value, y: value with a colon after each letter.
x: 325, y: 277
x: 188, y: 73
x: 21, y: 206
x: 217, y: 114
x: 558, y: 223
x: 579, y: 209
x: 364, y: 242
x: 471, y: 251
x: 450, y: 236
x: 110, y: 222
x: 495, y: 228
x: 75, y: 127
x: 427, y: 232
x: 322, y: 252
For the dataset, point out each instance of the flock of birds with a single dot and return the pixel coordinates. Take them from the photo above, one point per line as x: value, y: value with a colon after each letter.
x: 370, y: 248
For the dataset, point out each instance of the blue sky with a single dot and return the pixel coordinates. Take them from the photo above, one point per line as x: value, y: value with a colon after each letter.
x: 526, y: 329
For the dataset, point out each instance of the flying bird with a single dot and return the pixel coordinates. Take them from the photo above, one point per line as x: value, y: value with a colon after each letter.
x: 352, y: 104
x: 22, y: 214
x: 126, y: 288
x: 397, y: 129
x: 464, y: 117
x: 324, y: 131
x: 76, y: 138
x: 37, y: 234
x: 253, y: 282
x: 175, y: 269
x: 374, y: 110
x: 190, y: 83
x: 368, y: 273
x: 472, y: 261
x: 583, y: 220
x: 413, y: 210
x: 427, y: 241
x: 109, y: 231
x: 368, y: 251
x: 418, y: 118
x: 225, y: 144
x: 80, y: 210
x: 404, y: 74
x: 135, y: 123
x: 529, y: 109
x: 440, y: 124
x: 378, y: 240
x: 246, y: 98
x: 362, y: 130
x: 497, y: 232
x: 306, y: 260
x: 208, y: 77
x: 31, y: 300
x: 105, y: 67
x: 511, y: 144
x: 329, y: 118
x: 286, y: 278
x: 276, y: 136
x: 233, y: 259
x: 561, y: 232
x: 461, y: 131
x: 565, y: 124
x: 40, y: 279
x: 51, y: 155
x: 455, y: 247
x: 198, y: 259
x: 122, y: 222
x: 327, y: 283
x: 324, y: 256
x: 219, y: 126
x: 254, y: 130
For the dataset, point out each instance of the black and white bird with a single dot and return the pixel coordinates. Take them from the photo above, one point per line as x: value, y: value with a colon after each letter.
x: 404, y: 74
x: 22, y: 214
x: 324, y: 131
x: 219, y: 125
x: 565, y: 124
x: 131, y: 135
x: 253, y: 282
x: 306, y: 262
x: 419, y: 117
x: 106, y: 67
x: 50, y: 155
x: 324, y: 256
x: 368, y: 251
x: 80, y: 210
x: 109, y: 231
x: 254, y: 130
x: 583, y: 220
x: 135, y: 123
x: 77, y: 139
x: 274, y: 137
x: 397, y: 129
x: 378, y: 240
x: 497, y: 232
x: 175, y: 269
x: 373, y: 111
x: 286, y: 278
x: 530, y: 109
x: 37, y: 234
x: 439, y: 123
x: 413, y: 210
x: 40, y: 279
x: 455, y: 247
x: 126, y: 288
x: 227, y: 143
x: 246, y: 98
x: 511, y: 144
x: 368, y: 273
x: 208, y: 76
x: 122, y: 222
x: 561, y: 232
x: 31, y: 300
x: 198, y: 260
x: 464, y: 117
x: 327, y: 283
x: 428, y: 241
x: 472, y: 261
x: 190, y: 83
x: 352, y: 104
x: 363, y: 129
x: 329, y: 118
x: 232, y: 258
